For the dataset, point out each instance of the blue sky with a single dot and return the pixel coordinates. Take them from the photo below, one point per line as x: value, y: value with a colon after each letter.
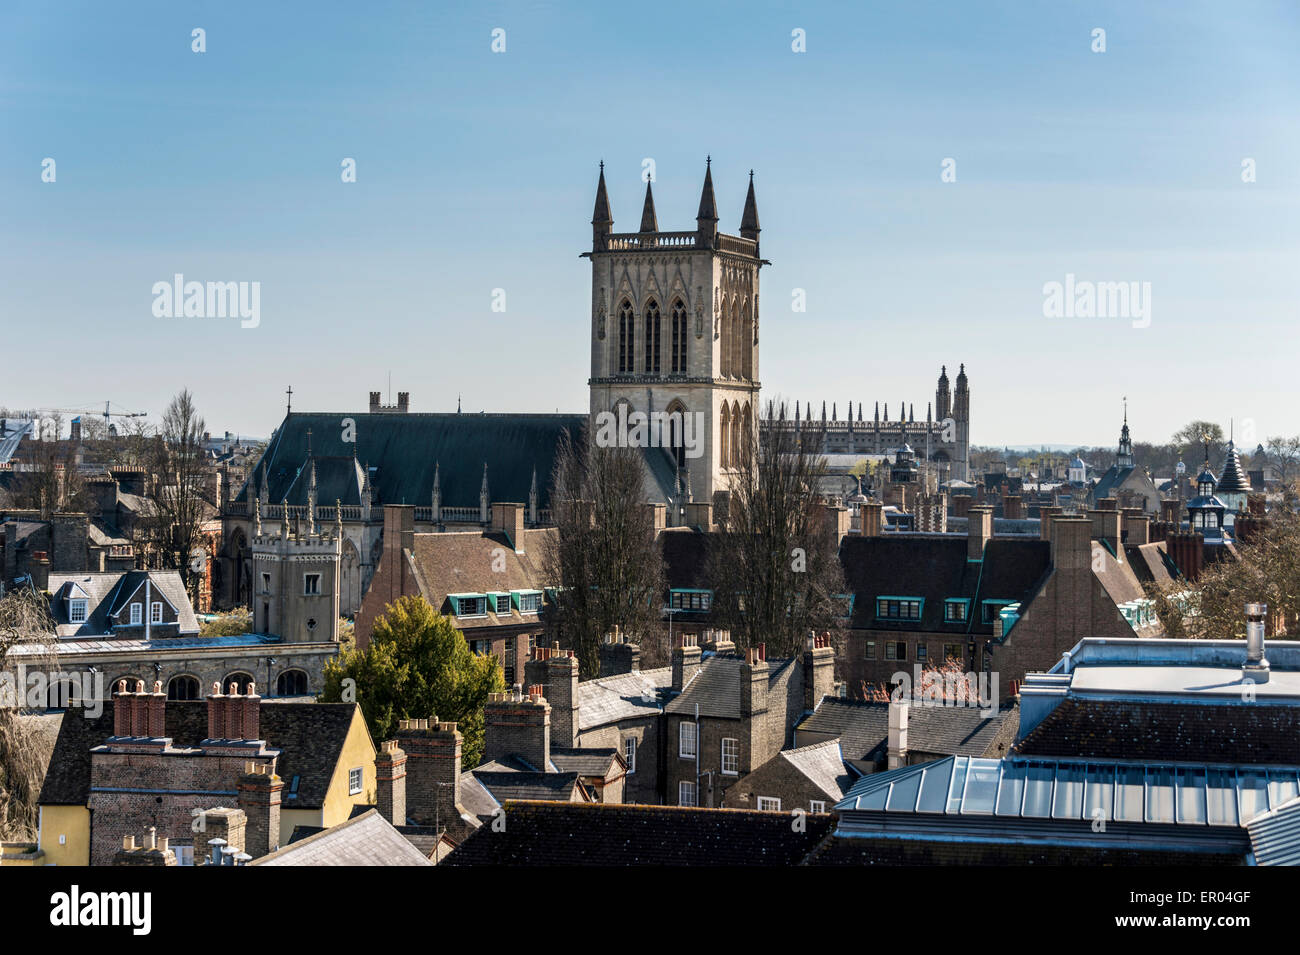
x: 476, y: 171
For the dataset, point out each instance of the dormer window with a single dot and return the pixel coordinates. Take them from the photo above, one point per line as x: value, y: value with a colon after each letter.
x: 899, y: 608
x: 155, y: 612
x: 137, y: 614
x: 77, y: 610
x: 468, y: 605
x: 528, y: 601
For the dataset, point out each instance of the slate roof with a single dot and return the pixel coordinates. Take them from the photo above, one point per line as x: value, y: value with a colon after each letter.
x: 462, y: 562
x: 403, y: 451
x: 584, y: 762
x: 309, y: 736
x: 624, y: 696
x: 367, y: 839
x: 108, y: 594
x: 822, y: 764
x: 525, y: 785
x: 863, y: 728
x: 567, y: 834
x: 716, y: 687
x: 474, y: 798
x: 1112, y: 479
x: 935, y: 568
x: 1248, y: 733
x: 1275, y: 836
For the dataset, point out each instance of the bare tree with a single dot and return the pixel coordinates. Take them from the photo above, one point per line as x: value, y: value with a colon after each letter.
x: 1267, y: 570
x: 775, y: 565
x: 1284, y: 455
x: 603, y: 555
x: 24, y: 750
x: 176, y: 495
x: 49, y: 480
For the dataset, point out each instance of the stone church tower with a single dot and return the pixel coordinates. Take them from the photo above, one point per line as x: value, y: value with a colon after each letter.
x: 674, y: 329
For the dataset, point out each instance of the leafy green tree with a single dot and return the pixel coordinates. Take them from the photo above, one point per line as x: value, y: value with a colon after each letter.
x: 417, y: 666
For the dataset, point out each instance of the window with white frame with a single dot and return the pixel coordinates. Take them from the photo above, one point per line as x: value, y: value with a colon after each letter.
x: 155, y: 612
x: 137, y: 612
x: 730, y: 757
x: 354, y: 781
x: 311, y: 583
x: 77, y: 611
x: 530, y: 603
x: 687, y: 793
x: 769, y: 804
x: 686, y: 741
x: 629, y: 753
x: 817, y: 805
x: 502, y: 604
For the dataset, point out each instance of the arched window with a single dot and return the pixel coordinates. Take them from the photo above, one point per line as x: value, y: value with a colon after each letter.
x: 241, y: 680
x: 625, y: 340
x: 679, y: 338
x: 737, y: 341
x: 724, y: 437
x: 677, y: 439
x: 746, y: 343
x: 746, y: 433
x: 183, y: 688
x: 291, y: 683
x: 735, y: 434
x: 724, y: 346
x: 652, y: 337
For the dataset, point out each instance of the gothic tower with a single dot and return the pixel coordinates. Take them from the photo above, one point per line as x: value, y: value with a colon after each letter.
x: 674, y: 331
x: 961, y: 419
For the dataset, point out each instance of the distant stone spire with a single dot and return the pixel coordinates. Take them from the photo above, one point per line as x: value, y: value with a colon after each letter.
x: 823, y: 409
x: 749, y: 219
x: 602, y: 221
x: 835, y: 411
x: 886, y: 410
x: 311, y: 496
x: 532, y: 499
x: 911, y: 412
x: 706, y: 220
x: 257, y: 517
x: 484, y: 498
x: 284, y: 518
x: 649, y: 222
x: 859, y: 411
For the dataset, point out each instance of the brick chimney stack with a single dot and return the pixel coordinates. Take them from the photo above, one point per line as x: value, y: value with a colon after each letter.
x: 979, y: 531
x: 1012, y: 508
x: 753, y: 682
x: 390, y: 782
x: 562, y: 693
x: 518, y: 724
x: 618, y: 655
x: 718, y: 641
x: 686, y: 660
x: 818, y: 670
x: 259, y: 796
x: 433, y: 755
x: 870, y: 518
x: 1046, y: 514
x: 137, y: 714
x: 1071, y: 543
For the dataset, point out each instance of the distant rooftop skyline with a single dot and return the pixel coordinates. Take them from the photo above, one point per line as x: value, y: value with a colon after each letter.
x: 476, y: 171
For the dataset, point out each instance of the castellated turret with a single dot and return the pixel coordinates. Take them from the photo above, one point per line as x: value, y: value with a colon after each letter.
x: 295, y: 586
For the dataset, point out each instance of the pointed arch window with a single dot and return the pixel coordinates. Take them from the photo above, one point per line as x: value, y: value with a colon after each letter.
x: 625, y: 340
x: 679, y: 338
x: 653, y: 324
x: 724, y: 437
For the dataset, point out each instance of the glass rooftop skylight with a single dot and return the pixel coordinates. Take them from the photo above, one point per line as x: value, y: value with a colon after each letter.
x: 1043, y: 789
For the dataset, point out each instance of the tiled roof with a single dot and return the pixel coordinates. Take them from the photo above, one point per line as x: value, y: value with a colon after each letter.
x: 584, y: 762
x: 823, y: 765
x: 934, y: 567
x: 310, y: 737
x: 108, y: 593
x: 525, y: 785
x: 538, y: 833
x: 367, y: 839
x: 404, y: 449
x: 1250, y: 733
x: 463, y: 562
x: 716, y: 687
x: 609, y: 699
x: 474, y: 798
x: 863, y: 728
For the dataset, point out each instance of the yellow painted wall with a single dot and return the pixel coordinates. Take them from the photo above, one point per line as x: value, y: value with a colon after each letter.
x: 358, y: 751
x: 72, y: 822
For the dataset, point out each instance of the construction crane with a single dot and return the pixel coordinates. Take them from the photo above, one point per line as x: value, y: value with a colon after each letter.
x: 106, y: 414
